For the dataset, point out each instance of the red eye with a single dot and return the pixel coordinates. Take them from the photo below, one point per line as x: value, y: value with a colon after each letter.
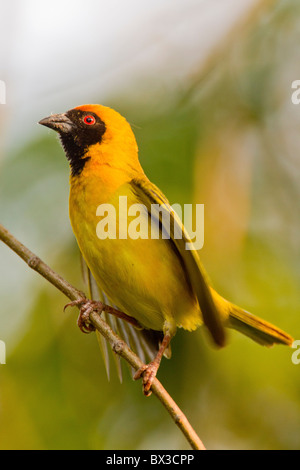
x: 89, y: 120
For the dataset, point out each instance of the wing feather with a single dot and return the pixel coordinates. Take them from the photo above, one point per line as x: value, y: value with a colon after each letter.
x: 148, y: 194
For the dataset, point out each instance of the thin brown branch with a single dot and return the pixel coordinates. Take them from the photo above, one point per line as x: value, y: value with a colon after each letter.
x: 117, y: 344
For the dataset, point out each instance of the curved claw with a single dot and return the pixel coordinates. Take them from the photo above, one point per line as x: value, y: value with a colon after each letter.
x: 83, y: 322
x: 148, y: 372
x: 75, y: 303
x: 86, y: 307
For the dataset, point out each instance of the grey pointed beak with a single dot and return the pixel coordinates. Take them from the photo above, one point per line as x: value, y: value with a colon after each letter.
x: 58, y: 122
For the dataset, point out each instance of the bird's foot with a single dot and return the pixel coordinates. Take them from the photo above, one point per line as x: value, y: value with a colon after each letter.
x: 86, y: 307
x: 148, y: 372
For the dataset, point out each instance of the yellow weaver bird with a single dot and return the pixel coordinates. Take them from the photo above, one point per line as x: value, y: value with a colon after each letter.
x: 156, y: 283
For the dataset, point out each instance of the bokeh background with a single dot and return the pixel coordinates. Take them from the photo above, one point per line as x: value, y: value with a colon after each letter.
x: 206, y: 86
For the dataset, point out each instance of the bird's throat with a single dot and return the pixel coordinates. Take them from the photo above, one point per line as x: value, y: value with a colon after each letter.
x: 75, y: 153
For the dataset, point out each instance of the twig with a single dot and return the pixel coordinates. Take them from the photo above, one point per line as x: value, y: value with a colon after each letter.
x: 117, y: 344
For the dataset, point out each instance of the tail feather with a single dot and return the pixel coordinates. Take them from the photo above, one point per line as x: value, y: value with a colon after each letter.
x: 257, y: 329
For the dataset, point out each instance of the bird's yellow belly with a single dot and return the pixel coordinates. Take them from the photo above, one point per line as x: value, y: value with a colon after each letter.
x: 142, y: 277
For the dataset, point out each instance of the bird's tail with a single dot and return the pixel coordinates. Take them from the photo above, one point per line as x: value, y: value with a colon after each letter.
x: 254, y: 327
x: 257, y: 329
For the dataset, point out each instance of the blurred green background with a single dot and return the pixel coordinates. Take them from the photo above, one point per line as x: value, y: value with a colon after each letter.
x: 207, y: 89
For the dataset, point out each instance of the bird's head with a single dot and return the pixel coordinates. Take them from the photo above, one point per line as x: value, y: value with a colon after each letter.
x: 94, y: 133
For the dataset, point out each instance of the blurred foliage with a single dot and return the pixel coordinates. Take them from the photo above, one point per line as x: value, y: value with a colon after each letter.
x: 222, y: 140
